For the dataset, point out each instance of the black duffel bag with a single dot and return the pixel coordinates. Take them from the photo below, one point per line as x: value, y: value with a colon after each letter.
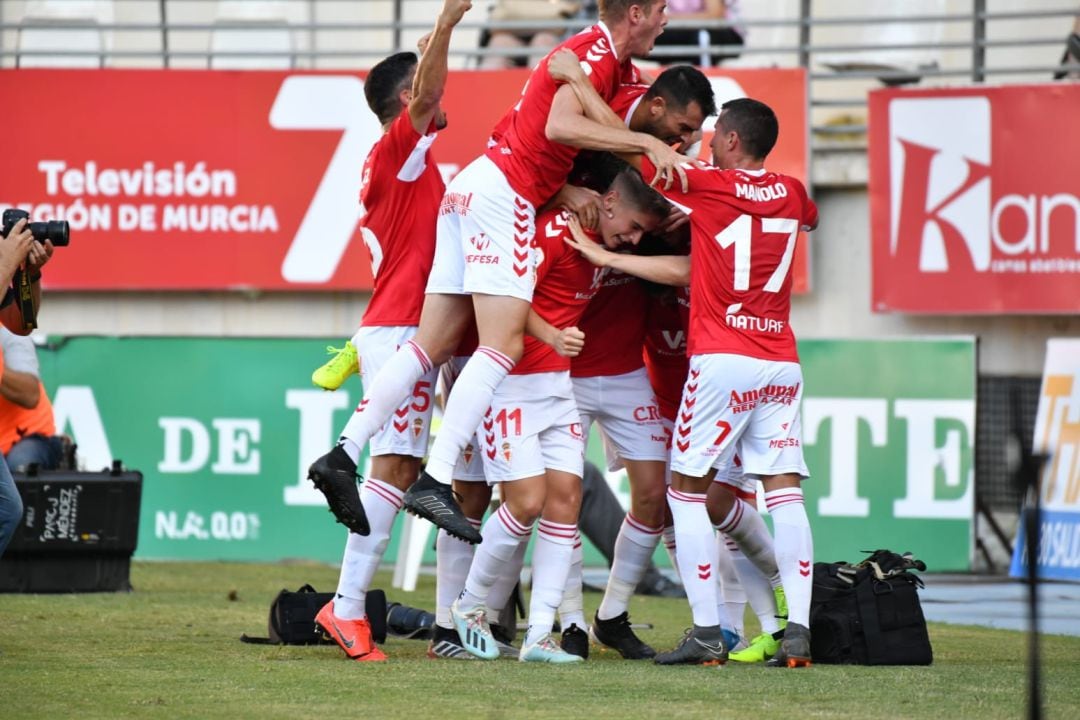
x: 869, y: 613
x: 292, y: 618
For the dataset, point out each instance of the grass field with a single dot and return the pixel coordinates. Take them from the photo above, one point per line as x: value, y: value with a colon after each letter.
x: 171, y: 650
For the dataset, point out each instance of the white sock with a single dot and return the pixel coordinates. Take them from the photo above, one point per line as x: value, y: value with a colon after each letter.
x: 572, y: 608
x: 634, y: 548
x: 759, y: 593
x: 732, y: 595
x: 669, y: 545
x: 697, y: 554
x: 392, y: 385
x: 502, y: 534
x: 465, y: 409
x: 551, y: 558
x: 794, y: 550
x: 363, y: 553
x: 452, y: 560
x: 747, y: 528
x: 505, y: 583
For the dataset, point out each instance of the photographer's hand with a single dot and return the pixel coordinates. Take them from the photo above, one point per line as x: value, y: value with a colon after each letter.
x: 14, y: 250
x: 39, y: 254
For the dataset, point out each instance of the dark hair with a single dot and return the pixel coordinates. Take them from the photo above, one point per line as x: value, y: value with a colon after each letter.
x: 615, y: 10
x: 634, y: 190
x: 754, y: 122
x: 385, y: 81
x: 681, y: 85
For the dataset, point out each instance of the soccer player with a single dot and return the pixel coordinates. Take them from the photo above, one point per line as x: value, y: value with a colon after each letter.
x: 532, y: 435
x: 401, y: 190
x: 484, y: 257
x: 745, y: 383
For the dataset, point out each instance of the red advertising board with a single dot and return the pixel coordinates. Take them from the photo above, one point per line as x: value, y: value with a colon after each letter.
x: 975, y: 200
x: 209, y: 180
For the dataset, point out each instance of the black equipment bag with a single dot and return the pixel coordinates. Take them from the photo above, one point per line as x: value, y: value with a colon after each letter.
x: 292, y: 618
x: 869, y: 613
x: 77, y: 533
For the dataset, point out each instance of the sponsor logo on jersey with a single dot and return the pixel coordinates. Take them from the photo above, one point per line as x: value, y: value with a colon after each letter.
x: 752, y: 322
x: 455, y: 202
x: 481, y: 242
x: 784, y: 443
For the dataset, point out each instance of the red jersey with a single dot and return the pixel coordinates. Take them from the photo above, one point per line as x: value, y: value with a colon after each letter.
x: 400, y: 189
x: 665, y: 347
x: 565, y: 283
x: 614, y: 327
x: 534, y: 166
x: 743, y: 225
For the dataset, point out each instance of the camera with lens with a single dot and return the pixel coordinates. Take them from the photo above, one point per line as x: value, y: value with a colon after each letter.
x: 54, y: 230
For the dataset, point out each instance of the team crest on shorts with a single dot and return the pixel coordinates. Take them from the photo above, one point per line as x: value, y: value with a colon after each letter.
x: 506, y: 451
x: 575, y: 430
x: 418, y: 427
x: 467, y: 453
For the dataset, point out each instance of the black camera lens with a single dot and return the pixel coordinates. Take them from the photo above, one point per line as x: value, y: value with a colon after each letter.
x: 55, y: 230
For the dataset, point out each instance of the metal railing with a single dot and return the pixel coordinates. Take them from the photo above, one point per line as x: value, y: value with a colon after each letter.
x: 805, y: 52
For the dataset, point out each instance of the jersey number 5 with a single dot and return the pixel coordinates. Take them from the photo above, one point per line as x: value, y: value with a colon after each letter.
x: 739, y: 233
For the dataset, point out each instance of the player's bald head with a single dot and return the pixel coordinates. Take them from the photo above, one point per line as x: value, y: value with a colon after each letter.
x: 386, y: 81
x: 612, y: 11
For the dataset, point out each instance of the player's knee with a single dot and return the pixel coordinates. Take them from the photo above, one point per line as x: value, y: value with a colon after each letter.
x: 526, y: 510
x: 649, y: 505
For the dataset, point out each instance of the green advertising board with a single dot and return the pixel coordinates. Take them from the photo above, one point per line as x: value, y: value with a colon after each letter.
x: 223, y: 430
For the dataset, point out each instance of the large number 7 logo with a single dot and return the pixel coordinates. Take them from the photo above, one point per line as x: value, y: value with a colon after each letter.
x: 327, y: 102
x: 740, y: 234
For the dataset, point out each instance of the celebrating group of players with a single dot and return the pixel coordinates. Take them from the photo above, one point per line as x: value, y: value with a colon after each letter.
x: 555, y: 288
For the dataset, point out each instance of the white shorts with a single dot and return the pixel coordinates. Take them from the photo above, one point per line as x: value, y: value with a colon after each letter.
x: 407, y: 431
x: 733, y: 403
x: 483, y: 238
x: 470, y: 466
x: 532, y: 426
x: 625, y: 408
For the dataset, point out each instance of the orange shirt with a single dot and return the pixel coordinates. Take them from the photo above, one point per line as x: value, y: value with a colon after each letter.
x: 16, y: 422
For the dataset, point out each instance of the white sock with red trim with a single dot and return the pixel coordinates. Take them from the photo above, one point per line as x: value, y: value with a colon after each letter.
x: 453, y: 558
x: 469, y: 400
x: 634, y: 548
x: 392, y: 386
x: 572, y: 608
x: 502, y: 534
x: 697, y: 554
x: 747, y: 528
x: 759, y: 593
x: 669, y: 545
x: 732, y: 605
x: 794, y: 550
x: 552, y: 555
x: 505, y: 583
x: 363, y: 553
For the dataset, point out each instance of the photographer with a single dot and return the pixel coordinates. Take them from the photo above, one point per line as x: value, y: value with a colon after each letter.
x: 18, y: 251
x: 27, y: 428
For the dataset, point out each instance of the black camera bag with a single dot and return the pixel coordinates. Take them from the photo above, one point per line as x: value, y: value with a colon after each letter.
x: 292, y: 618
x: 869, y: 613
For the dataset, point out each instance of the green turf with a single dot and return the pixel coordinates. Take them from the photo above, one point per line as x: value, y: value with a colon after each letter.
x: 171, y: 649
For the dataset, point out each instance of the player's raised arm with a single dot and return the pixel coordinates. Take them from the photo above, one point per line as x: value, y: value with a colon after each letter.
x: 580, y: 118
x: 430, y: 80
